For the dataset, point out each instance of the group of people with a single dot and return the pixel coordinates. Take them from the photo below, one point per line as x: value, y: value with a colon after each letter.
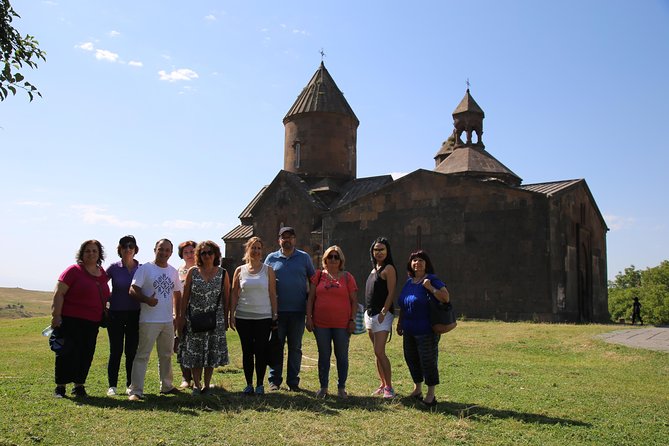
x: 188, y: 311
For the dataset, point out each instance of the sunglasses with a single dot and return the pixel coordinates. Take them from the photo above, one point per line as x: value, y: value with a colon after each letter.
x: 333, y: 257
x: 207, y: 253
x: 128, y: 246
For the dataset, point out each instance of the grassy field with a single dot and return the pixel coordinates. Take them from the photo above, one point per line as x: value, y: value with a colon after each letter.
x: 19, y: 303
x: 502, y: 383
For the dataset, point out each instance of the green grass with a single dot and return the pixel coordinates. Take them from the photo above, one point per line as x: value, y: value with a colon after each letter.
x: 502, y: 383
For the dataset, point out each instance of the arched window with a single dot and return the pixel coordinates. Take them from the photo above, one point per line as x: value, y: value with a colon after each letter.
x: 297, y: 146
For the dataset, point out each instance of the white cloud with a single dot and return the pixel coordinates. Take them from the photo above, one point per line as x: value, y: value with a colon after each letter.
x: 113, y: 33
x: 94, y: 215
x: 182, y: 74
x: 187, y: 224
x: 300, y: 31
x: 210, y: 18
x: 35, y: 204
x: 135, y: 63
x: 616, y: 222
x: 106, y: 55
x: 86, y: 46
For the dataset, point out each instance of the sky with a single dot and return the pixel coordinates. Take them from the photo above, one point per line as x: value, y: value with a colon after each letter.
x: 164, y: 119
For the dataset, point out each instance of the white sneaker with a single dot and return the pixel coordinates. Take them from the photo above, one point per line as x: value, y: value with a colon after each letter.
x: 111, y: 391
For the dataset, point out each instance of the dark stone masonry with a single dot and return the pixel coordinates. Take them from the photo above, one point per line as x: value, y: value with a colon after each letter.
x: 505, y: 250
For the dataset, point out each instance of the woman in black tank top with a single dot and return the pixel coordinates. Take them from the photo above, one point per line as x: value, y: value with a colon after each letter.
x: 379, y: 314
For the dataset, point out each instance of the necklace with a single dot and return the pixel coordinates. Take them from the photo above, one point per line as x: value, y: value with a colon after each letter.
x: 420, y: 279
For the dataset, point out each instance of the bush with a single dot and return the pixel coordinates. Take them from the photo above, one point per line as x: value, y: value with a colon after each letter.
x: 651, y: 286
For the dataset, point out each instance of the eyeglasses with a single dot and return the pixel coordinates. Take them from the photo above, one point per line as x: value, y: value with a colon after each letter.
x: 128, y: 246
x: 379, y: 249
x: 207, y: 253
x: 333, y: 257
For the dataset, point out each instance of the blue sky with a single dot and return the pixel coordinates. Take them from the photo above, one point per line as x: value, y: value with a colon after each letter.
x: 163, y: 119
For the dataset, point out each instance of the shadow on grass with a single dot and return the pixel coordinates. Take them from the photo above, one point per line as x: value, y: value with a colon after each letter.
x: 221, y: 400
x: 481, y: 413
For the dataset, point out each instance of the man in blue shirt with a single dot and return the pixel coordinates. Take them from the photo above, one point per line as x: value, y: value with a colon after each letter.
x: 293, y: 269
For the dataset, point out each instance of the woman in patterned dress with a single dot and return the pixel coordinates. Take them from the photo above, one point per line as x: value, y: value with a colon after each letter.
x: 207, y: 288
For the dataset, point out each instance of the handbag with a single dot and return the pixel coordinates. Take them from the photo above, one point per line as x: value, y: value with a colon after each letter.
x: 442, y: 316
x: 360, y: 320
x: 104, y: 320
x: 205, y: 321
x: 202, y: 322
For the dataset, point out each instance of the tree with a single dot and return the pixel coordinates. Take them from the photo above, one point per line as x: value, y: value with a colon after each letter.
x: 651, y: 286
x: 16, y: 52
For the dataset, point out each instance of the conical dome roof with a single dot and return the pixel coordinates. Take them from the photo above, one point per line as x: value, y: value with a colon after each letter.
x: 320, y: 95
x: 468, y: 104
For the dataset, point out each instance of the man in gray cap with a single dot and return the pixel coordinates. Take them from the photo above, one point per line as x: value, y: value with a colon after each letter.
x: 293, y: 269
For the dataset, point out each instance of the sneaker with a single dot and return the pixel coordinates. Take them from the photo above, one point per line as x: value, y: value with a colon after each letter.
x: 341, y: 393
x: 172, y: 391
x: 273, y: 387
x: 388, y: 392
x: 134, y: 397
x: 59, y: 392
x: 184, y: 385
x: 248, y: 390
x: 378, y: 391
x: 260, y: 390
x: 111, y: 391
x: 79, y: 392
x: 322, y: 393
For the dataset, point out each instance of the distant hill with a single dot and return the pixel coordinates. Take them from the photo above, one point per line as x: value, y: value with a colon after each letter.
x: 18, y: 303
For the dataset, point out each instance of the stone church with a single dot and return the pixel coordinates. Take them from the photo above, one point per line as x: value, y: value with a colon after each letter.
x: 505, y: 250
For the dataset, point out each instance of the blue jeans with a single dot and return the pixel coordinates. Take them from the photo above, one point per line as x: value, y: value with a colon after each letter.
x: 325, y: 337
x: 291, y: 329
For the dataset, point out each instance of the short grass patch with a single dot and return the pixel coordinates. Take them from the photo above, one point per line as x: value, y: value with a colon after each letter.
x: 501, y: 383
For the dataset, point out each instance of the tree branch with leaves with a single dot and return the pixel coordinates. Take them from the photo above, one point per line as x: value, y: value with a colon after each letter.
x: 16, y: 53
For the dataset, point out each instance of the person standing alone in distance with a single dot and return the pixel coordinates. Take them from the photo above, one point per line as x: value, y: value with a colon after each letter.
x: 293, y: 269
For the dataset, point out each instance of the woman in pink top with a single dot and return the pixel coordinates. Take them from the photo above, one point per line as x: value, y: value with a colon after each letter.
x: 331, y: 305
x: 78, y: 302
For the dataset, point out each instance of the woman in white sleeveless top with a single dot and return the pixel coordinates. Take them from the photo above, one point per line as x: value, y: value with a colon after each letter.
x: 253, y: 310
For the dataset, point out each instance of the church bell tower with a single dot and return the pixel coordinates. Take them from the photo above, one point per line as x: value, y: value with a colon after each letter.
x: 321, y: 131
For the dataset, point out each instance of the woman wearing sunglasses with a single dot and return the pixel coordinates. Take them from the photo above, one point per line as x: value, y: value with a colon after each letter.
x: 331, y: 305
x: 123, y: 329
x: 379, y: 314
x: 207, y: 288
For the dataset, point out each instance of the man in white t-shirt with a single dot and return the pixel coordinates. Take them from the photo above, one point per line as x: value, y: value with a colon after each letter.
x: 157, y: 287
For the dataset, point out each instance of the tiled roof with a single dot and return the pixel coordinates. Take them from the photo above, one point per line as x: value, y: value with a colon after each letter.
x: 320, y: 95
x: 549, y: 188
x: 246, y: 213
x: 468, y: 104
x: 240, y: 232
x: 470, y: 160
x: 360, y: 187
